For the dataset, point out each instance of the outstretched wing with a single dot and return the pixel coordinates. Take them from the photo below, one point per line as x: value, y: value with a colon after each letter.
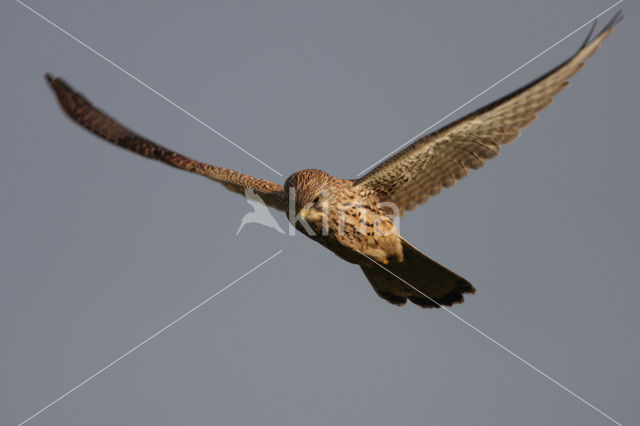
x: 441, y: 158
x: 80, y: 110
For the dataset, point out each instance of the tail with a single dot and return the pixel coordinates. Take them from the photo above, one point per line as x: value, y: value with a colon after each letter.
x: 417, y: 278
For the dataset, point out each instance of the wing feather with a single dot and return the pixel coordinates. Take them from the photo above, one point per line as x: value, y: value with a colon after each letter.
x: 439, y: 159
x: 80, y: 110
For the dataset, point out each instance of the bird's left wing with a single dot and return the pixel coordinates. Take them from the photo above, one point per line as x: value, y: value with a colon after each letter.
x: 441, y: 158
x: 80, y: 110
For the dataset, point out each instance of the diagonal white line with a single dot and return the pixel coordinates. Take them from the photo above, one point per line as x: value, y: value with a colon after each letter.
x: 501, y: 346
x: 74, y: 38
x: 91, y: 377
x: 491, y: 87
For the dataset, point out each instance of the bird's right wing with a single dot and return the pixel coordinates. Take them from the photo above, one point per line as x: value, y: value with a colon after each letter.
x: 80, y: 110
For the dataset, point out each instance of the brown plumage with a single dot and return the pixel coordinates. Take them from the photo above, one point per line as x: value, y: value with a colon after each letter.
x: 351, y: 217
x: 85, y: 114
x: 441, y: 158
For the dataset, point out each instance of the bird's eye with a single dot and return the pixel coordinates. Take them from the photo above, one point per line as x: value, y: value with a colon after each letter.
x: 315, y: 200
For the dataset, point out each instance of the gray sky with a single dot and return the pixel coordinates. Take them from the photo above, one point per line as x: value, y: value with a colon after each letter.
x: 100, y: 248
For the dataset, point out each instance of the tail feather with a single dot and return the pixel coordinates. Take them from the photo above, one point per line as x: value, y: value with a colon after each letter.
x: 417, y: 278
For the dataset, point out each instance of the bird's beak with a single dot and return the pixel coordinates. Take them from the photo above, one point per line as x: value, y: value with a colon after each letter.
x: 304, y: 213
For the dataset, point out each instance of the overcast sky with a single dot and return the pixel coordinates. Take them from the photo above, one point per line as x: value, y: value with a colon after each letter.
x: 100, y: 249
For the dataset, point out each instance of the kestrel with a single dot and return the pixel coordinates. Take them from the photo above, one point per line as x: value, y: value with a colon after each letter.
x: 354, y: 218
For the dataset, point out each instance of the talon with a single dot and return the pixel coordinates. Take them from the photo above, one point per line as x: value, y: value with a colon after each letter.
x: 385, y: 261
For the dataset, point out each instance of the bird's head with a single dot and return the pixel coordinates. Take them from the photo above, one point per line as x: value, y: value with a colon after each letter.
x: 309, y: 189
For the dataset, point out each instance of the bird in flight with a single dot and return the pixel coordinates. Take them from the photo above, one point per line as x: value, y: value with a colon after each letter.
x: 354, y: 218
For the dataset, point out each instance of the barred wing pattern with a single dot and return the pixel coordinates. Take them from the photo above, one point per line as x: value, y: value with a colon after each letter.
x: 441, y: 158
x: 80, y: 110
